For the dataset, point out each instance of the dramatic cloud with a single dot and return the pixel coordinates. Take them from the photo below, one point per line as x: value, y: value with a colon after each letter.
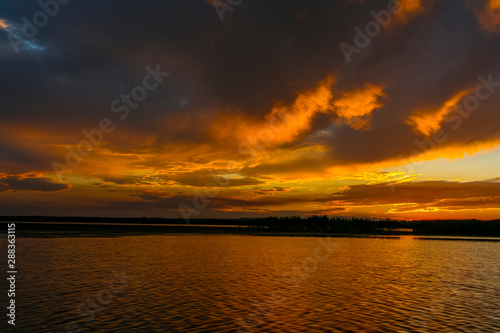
x: 281, y: 125
x: 427, y: 123
x: 262, y: 100
x: 487, y: 13
x: 353, y: 107
x: 426, y: 192
x: 20, y: 184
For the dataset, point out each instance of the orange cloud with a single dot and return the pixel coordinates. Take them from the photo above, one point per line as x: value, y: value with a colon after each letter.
x: 494, y: 4
x: 353, y: 107
x: 428, y: 122
x: 3, y: 24
x: 410, y: 8
x: 285, y: 124
x: 282, y: 125
x: 487, y: 13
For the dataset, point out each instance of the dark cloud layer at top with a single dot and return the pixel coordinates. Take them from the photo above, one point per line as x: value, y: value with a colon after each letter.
x: 263, y: 52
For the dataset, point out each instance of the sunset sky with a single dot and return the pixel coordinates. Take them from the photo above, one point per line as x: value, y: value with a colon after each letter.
x: 268, y: 107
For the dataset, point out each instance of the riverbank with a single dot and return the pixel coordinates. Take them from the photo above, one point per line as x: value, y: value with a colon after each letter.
x: 79, y: 229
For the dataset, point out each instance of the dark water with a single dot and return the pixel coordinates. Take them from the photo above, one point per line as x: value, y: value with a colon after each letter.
x: 188, y: 283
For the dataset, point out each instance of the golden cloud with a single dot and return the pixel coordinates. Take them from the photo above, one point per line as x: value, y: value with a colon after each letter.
x: 284, y: 124
x: 353, y: 107
x: 409, y: 9
x: 428, y: 122
x: 487, y: 13
x: 3, y: 24
x: 411, y: 6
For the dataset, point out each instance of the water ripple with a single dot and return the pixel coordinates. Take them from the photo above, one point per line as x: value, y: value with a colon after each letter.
x: 201, y: 284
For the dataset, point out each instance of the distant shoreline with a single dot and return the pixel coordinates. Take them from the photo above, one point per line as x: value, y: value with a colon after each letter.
x: 81, y: 230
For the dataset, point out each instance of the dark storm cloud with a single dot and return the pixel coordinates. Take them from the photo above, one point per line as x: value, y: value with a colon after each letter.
x: 16, y: 158
x: 16, y: 183
x: 263, y: 52
x: 125, y: 180
x: 286, y: 46
x: 421, y: 67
